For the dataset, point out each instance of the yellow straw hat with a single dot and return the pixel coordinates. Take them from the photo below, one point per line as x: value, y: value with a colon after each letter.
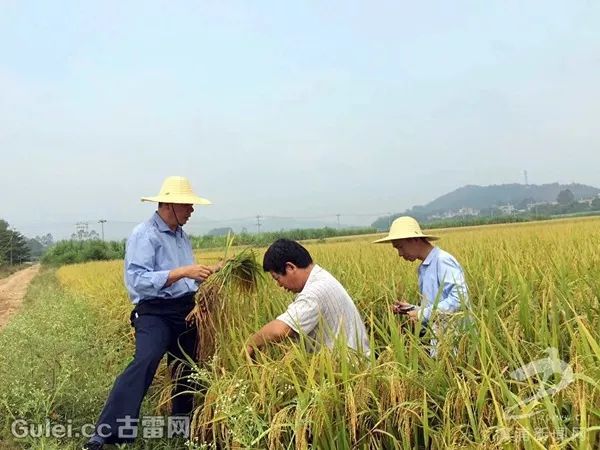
x: 405, y: 228
x: 177, y: 190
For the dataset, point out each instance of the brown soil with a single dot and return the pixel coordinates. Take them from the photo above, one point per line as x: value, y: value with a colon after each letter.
x: 12, y: 291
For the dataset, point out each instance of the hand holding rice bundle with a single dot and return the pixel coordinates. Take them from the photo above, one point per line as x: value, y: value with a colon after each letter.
x: 243, y: 272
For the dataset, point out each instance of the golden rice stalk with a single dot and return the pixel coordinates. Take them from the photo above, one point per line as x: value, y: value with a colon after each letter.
x: 281, y: 420
x: 243, y: 272
x: 208, y: 304
x: 351, y: 413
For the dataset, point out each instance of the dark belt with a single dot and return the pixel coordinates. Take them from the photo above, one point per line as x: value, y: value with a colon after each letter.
x: 176, y: 308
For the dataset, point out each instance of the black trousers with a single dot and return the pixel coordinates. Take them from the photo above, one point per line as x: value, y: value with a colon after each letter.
x: 160, y: 328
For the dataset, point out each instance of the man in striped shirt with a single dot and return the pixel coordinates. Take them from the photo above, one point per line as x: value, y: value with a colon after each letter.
x: 322, y: 311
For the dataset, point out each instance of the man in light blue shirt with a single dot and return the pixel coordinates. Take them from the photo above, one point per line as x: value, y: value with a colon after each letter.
x: 441, y: 278
x: 153, y: 251
x: 161, y: 279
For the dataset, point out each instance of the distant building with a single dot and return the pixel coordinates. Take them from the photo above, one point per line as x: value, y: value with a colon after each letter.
x: 590, y: 200
x: 462, y: 212
x: 507, y: 209
x: 468, y: 212
x: 533, y: 206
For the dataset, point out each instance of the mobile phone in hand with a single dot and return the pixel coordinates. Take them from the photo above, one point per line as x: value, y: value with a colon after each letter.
x: 404, y: 309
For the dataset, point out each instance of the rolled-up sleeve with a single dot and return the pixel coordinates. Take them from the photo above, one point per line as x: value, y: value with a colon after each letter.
x: 453, y: 289
x: 302, y: 315
x: 140, y: 276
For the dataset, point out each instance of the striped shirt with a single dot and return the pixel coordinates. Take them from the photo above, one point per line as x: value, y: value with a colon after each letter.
x: 323, y: 311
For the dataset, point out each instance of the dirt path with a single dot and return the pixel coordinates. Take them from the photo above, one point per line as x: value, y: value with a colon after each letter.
x: 12, y: 291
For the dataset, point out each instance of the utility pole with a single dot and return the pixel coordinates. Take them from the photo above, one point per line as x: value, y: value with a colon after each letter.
x: 258, y: 224
x: 389, y: 220
x: 11, y: 245
x: 81, y: 230
x: 102, y: 222
x: 338, y: 220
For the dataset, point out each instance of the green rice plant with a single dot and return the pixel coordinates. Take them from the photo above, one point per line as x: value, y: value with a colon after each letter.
x: 534, y: 288
x: 241, y: 271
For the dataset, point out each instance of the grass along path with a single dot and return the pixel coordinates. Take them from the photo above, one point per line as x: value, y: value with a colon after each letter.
x: 12, y: 291
x: 58, y: 359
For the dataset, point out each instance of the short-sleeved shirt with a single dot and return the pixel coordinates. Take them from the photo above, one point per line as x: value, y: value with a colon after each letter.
x: 323, y: 311
x: 152, y: 251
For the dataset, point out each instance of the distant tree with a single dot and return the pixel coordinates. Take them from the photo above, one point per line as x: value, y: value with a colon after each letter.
x: 595, y: 204
x: 46, y: 240
x: 565, y: 197
x: 20, y: 250
x: 36, y: 249
x: 490, y: 212
x: 69, y: 252
x: 267, y: 238
x: 83, y: 235
x: 383, y: 223
x: 39, y: 245
x: 13, y: 245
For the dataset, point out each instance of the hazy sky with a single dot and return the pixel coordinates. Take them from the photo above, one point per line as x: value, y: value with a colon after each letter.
x: 288, y: 108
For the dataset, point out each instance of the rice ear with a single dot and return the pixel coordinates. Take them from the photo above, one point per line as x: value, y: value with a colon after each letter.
x: 241, y: 271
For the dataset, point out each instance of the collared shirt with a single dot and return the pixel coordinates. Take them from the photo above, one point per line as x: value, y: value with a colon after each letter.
x: 152, y: 251
x: 323, y: 311
x: 441, y: 283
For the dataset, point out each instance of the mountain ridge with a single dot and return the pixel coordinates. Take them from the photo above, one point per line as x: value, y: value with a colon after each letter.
x: 475, y: 198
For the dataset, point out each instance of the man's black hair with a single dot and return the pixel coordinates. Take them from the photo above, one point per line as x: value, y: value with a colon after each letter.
x: 283, y: 251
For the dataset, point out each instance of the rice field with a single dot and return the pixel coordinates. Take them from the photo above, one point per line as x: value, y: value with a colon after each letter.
x: 534, y: 291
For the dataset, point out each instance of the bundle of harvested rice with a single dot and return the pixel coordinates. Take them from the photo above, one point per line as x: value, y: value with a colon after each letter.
x: 241, y: 271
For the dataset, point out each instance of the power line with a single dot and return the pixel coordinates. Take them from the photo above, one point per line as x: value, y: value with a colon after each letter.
x: 201, y: 223
x: 202, y: 218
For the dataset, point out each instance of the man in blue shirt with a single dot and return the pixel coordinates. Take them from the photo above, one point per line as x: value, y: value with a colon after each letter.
x: 442, y: 282
x: 161, y: 278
